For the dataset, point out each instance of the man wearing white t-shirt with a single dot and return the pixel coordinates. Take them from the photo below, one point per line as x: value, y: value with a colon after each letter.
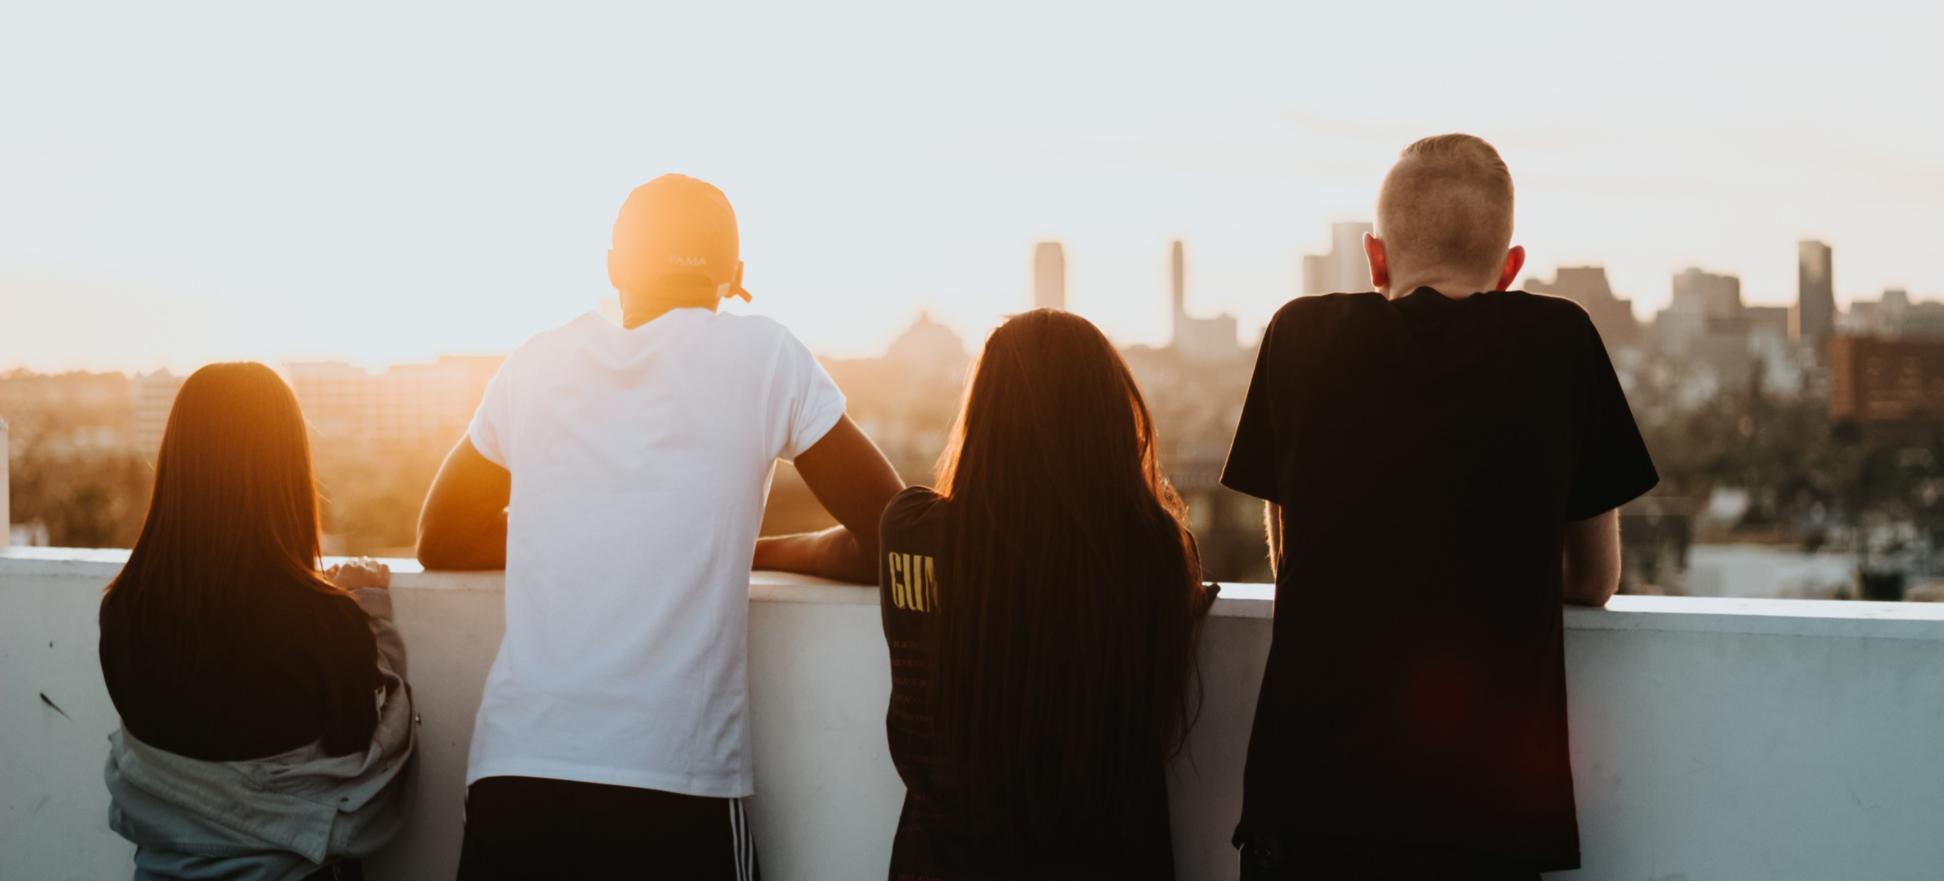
x: 618, y: 474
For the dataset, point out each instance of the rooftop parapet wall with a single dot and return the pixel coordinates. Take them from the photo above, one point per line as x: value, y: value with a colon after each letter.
x: 1712, y: 739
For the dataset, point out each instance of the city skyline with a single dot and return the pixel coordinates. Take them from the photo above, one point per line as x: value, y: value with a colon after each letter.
x: 1696, y: 294
x: 332, y: 189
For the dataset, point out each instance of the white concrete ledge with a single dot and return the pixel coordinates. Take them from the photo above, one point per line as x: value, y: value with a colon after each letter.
x: 1712, y: 738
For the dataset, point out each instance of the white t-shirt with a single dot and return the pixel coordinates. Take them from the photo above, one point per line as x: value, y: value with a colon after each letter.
x: 641, y: 460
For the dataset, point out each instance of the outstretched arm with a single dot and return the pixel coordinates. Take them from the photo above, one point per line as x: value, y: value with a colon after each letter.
x: 463, y: 524
x: 1591, y: 559
x: 853, y: 481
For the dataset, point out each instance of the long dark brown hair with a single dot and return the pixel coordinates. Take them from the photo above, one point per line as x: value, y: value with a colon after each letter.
x: 1070, y: 596
x: 234, y: 508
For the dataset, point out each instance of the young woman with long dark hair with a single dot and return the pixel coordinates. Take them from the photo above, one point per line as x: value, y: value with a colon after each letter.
x: 265, y: 717
x: 1042, y: 608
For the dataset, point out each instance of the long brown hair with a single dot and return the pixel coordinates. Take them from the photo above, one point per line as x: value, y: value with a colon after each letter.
x: 235, y: 503
x: 1070, y: 597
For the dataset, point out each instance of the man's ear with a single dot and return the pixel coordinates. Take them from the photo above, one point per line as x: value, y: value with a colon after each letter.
x: 1379, y: 263
x: 1514, y: 261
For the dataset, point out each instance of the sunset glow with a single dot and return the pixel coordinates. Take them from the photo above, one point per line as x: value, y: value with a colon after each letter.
x: 386, y: 184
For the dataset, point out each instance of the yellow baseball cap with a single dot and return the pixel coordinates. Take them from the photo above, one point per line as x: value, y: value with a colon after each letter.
x: 678, y: 234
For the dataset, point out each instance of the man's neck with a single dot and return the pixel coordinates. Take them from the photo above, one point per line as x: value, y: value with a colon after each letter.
x: 638, y: 309
x: 1451, y: 290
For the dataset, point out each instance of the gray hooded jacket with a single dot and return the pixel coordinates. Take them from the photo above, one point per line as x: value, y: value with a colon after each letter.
x: 278, y: 818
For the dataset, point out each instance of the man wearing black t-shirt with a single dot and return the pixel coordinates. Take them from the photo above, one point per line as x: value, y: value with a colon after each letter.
x: 1442, y: 461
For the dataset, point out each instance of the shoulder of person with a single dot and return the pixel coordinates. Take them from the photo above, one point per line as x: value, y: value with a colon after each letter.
x: 752, y: 326
x: 1550, y: 308
x: 336, y: 613
x: 912, y: 505
x: 1308, y: 311
x: 552, y: 343
x: 353, y: 646
x: 1330, y: 304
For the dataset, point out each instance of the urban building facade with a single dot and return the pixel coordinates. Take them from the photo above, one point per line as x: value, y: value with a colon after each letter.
x: 1895, y: 315
x: 1886, y: 383
x: 1704, y: 309
x: 405, y: 404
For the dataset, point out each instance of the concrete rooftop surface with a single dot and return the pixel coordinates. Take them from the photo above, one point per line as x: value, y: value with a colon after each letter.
x: 1712, y: 739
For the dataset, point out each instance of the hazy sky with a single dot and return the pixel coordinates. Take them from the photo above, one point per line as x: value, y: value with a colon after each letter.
x: 187, y: 182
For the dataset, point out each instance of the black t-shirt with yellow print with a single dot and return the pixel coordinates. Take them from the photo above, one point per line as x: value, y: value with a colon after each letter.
x: 931, y: 844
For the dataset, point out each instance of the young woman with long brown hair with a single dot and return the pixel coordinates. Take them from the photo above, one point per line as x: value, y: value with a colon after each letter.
x: 265, y: 718
x: 1042, y: 608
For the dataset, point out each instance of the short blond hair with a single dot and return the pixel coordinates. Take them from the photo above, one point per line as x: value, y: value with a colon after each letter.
x: 1447, y: 206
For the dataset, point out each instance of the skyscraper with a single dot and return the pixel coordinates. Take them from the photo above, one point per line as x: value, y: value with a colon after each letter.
x: 1344, y: 268
x: 1815, y: 311
x: 1049, y: 276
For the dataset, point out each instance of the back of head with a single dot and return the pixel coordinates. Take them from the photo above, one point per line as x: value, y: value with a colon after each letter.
x: 1067, y: 600
x: 234, y: 507
x: 676, y: 236
x: 1445, y: 211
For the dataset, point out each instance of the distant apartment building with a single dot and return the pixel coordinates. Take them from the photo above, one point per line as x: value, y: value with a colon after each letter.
x: 1814, y: 318
x: 1725, y: 343
x: 1767, y: 322
x: 406, y: 404
x: 67, y: 412
x: 1886, y: 383
x: 1716, y: 295
x: 1612, y: 316
x: 1785, y: 366
x: 155, y: 395
x: 1049, y: 276
x: 1343, y: 269
x: 1702, y: 304
x: 1893, y: 316
x: 1197, y: 339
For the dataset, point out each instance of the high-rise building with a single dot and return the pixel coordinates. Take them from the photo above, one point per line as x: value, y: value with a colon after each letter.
x: 1343, y: 269
x: 1197, y: 339
x: 1588, y: 286
x: 1049, y: 276
x: 1814, y: 318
